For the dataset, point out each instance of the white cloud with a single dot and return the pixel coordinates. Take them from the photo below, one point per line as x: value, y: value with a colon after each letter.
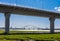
x: 57, y: 9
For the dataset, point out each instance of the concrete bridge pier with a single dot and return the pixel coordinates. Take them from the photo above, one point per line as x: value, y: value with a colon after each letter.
x: 52, y: 19
x: 7, y: 22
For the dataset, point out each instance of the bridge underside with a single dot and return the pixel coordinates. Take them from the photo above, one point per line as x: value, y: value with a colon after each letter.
x: 7, y: 10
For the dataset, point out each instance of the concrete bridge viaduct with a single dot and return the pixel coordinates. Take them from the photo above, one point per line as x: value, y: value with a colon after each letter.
x: 7, y: 10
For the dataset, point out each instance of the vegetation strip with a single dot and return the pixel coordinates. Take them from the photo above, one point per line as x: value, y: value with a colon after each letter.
x: 32, y: 36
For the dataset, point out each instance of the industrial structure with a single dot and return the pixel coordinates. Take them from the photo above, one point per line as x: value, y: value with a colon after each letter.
x: 8, y: 10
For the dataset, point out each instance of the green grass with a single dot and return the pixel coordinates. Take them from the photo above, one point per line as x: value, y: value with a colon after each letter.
x: 33, y: 36
x: 28, y: 36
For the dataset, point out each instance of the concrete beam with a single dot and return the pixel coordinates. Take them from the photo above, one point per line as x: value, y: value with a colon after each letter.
x: 7, y: 22
x: 27, y: 11
x: 52, y: 19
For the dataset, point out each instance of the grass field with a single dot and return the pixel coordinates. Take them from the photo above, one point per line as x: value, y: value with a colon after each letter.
x: 31, y: 36
x: 28, y: 36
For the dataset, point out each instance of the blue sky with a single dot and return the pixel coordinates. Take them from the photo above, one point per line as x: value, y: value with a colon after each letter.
x: 21, y: 21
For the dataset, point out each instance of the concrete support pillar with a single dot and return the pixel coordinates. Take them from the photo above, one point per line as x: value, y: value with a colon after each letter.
x: 52, y: 19
x: 7, y: 22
